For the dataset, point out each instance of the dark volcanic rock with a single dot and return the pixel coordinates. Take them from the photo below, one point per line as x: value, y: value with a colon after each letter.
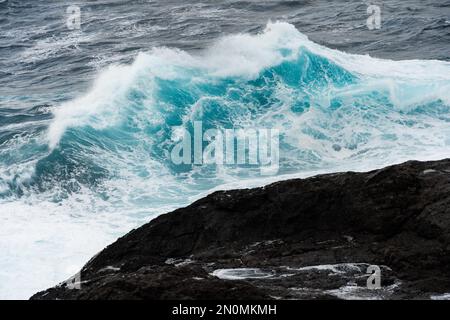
x: 304, y: 238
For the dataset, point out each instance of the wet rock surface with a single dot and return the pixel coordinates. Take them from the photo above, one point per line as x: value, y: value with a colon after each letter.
x: 309, y: 238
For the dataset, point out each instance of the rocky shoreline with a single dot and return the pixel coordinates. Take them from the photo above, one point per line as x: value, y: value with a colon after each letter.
x: 297, y: 239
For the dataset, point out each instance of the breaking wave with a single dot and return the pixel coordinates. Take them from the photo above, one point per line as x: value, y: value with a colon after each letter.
x: 100, y: 164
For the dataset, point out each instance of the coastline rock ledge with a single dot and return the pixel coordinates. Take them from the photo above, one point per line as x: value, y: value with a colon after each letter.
x: 327, y: 237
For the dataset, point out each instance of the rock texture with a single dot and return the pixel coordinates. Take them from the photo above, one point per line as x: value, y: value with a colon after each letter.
x: 302, y: 239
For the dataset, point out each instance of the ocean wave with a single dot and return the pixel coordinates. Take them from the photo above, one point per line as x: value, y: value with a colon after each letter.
x: 105, y: 156
x: 332, y: 109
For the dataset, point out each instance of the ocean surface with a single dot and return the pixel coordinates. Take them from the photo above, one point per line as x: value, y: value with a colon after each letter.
x: 88, y: 116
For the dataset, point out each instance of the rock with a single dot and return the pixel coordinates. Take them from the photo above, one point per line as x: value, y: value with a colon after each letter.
x: 303, y: 239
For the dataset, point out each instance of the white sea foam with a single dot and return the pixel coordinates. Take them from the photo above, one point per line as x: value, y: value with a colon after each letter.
x: 241, y: 274
x: 44, y: 243
x: 445, y: 296
x: 51, y: 46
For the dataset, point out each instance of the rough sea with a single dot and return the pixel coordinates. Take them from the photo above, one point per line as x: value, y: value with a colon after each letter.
x: 91, y: 106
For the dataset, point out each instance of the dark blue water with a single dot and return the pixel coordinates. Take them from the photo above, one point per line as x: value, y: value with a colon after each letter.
x: 89, y: 116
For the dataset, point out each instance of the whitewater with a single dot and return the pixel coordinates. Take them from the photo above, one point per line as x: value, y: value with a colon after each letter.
x: 98, y: 165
